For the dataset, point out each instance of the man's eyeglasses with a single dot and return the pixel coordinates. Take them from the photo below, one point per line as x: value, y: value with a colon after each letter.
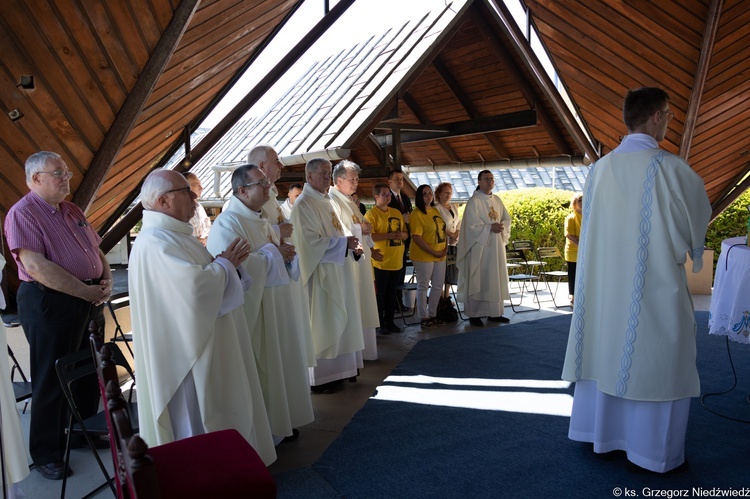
x: 60, y: 174
x: 186, y: 189
x: 265, y: 183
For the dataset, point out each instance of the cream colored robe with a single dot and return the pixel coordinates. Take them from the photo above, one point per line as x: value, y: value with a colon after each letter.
x: 272, y: 212
x: 482, y: 270
x: 327, y: 268
x: 351, y: 218
x: 280, y: 335
x: 14, y: 444
x: 633, y: 327
x: 176, y: 295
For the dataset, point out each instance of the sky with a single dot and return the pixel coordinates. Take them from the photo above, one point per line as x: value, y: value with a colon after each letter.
x: 363, y: 19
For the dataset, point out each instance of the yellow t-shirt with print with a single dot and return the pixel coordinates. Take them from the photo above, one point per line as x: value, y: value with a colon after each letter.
x: 392, y: 249
x: 431, y: 227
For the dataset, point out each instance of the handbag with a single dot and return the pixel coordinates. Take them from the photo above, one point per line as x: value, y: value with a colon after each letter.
x: 446, y: 312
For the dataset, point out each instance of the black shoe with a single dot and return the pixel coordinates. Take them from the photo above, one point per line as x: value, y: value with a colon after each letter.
x: 54, y: 471
x: 291, y: 438
x: 392, y: 328
x: 499, y: 318
x: 327, y: 388
x: 476, y: 321
x: 383, y: 330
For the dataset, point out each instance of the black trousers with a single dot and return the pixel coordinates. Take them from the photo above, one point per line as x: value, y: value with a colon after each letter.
x: 385, y: 293
x: 571, y: 278
x: 55, y: 325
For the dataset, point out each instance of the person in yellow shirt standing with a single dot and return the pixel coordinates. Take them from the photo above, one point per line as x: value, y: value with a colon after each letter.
x: 388, y: 234
x: 572, y: 233
x: 430, y: 245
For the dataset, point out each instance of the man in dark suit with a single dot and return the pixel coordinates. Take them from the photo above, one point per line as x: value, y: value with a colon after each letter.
x: 402, y: 203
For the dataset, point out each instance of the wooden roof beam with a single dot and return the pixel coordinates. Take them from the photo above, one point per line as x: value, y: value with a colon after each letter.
x: 735, y: 190
x: 118, y: 231
x: 134, y: 103
x: 467, y: 104
x: 500, y: 13
x: 701, y: 73
x: 422, y: 118
x: 477, y: 126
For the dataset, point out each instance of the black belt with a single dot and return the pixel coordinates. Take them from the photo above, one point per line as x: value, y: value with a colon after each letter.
x: 85, y: 281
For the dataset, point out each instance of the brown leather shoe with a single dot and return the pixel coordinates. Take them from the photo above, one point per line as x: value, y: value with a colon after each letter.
x: 54, y: 471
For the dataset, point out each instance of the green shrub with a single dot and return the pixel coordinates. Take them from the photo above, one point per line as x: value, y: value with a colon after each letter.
x: 732, y: 222
x: 538, y: 215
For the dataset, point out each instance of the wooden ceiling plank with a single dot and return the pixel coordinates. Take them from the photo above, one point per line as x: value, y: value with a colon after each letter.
x: 495, y: 142
x: 137, y: 98
x: 121, y: 228
x: 413, y: 106
x: 510, y: 30
x: 704, y: 63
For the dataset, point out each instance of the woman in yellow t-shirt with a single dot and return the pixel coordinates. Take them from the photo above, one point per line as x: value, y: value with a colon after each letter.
x: 572, y: 233
x: 430, y: 245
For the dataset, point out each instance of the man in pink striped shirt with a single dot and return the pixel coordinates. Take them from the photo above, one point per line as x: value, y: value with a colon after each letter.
x: 65, y: 280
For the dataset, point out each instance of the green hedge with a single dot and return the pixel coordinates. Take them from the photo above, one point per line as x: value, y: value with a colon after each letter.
x: 539, y: 215
x: 732, y: 222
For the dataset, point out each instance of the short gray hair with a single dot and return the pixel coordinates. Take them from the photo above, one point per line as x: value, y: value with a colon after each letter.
x: 241, y: 175
x: 314, y: 165
x: 259, y: 154
x: 37, y: 161
x: 155, y: 185
x: 343, y: 167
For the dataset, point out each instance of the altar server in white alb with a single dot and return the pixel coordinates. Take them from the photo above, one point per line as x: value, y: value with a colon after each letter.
x: 279, y: 336
x: 480, y: 254
x: 345, y: 182
x: 631, y: 349
x: 327, y: 259
x: 193, y: 357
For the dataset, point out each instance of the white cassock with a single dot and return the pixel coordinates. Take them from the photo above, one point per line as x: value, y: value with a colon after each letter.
x: 480, y: 258
x: 200, y: 222
x: 327, y: 269
x: 13, y: 444
x: 271, y: 211
x: 631, y: 347
x: 351, y: 218
x: 279, y: 337
x: 192, y: 355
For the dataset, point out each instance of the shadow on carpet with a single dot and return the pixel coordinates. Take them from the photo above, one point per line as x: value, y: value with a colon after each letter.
x: 485, y: 414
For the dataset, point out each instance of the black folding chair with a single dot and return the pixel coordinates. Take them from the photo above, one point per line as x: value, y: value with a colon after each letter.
x: 115, y: 303
x: 409, y: 285
x: 71, y: 369
x: 21, y: 389
x: 552, y: 254
x: 524, y: 279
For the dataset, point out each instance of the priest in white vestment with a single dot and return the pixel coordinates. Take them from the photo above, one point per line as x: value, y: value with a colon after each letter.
x: 192, y: 355
x: 327, y: 259
x: 480, y: 254
x: 631, y: 349
x: 279, y: 337
x: 286, y: 207
x: 265, y: 157
x: 345, y: 181
x: 14, y: 453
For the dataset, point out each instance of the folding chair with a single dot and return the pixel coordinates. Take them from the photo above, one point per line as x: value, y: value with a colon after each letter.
x: 409, y: 285
x: 523, y: 278
x: 21, y: 389
x: 527, y: 247
x: 115, y: 303
x: 216, y: 464
x: 71, y: 369
x: 552, y: 253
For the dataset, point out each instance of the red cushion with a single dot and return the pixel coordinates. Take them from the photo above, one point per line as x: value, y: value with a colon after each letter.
x: 217, y: 464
